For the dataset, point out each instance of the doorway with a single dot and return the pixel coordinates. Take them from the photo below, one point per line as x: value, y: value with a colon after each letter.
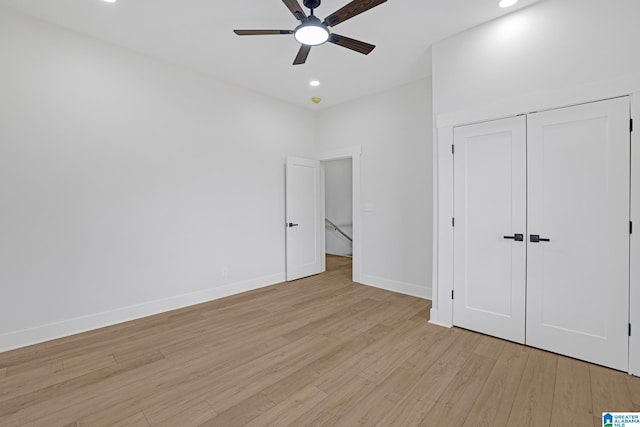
x: 338, y: 196
x: 342, y: 208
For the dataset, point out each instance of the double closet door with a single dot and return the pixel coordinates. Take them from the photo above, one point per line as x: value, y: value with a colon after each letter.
x: 541, y: 236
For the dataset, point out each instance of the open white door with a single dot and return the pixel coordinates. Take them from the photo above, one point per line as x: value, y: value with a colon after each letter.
x: 490, y: 225
x: 304, y: 218
x: 578, y: 224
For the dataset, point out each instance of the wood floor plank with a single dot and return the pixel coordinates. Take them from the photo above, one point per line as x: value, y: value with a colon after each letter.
x: 409, y: 412
x: 456, y: 402
x: 490, y: 347
x: 70, y: 400
x: 242, y: 413
x: 33, y: 369
x: 572, y: 402
x: 375, y: 405
x: 88, y: 362
x: 291, y: 408
x: 355, y: 364
x: 389, y: 361
x: 634, y: 389
x: 494, y: 402
x: 610, y: 392
x: 20, y: 385
x: 341, y: 401
x: 192, y: 416
x: 319, y: 351
x: 434, y: 374
x: 336, y: 355
x: 422, y: 314
x: 534, y: 398
x: 337, y: 318
x: 264, y: 373
x: 395, y: 385
x: 18, y: 403
x: 152, y: 393
x: 137, y: 420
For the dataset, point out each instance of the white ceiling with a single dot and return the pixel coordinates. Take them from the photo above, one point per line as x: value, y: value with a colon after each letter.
x: 198, y: 34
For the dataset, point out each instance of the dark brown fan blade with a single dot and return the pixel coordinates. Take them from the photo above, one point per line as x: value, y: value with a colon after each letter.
x: 261, y: 32
x: 301, y: 58
x: 295, y: 8
x: 356, y: 7
x: 357, y: 45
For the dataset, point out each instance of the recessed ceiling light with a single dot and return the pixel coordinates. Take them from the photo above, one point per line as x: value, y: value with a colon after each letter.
x: 507, y: 3
x: 314, y: 83
x: 109, y: 1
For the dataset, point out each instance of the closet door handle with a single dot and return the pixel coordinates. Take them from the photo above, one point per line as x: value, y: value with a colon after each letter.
x: 535, y: 238
x: 516, y: 237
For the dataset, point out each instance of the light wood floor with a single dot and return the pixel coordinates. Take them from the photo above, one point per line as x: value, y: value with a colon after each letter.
x: 319, y: 351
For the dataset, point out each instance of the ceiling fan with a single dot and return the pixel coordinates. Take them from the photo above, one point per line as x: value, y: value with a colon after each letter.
x: 313, y: 32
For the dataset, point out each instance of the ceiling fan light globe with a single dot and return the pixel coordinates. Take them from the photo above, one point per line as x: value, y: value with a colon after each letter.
x: 311, y: 35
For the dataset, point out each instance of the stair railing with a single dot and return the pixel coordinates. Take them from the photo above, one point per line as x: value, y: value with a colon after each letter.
x: 338, y: 229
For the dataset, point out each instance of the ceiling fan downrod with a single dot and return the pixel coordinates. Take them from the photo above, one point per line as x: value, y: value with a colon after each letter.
x: 312, y: 4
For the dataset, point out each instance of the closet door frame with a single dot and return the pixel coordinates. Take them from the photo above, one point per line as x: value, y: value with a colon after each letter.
x: 634, y: 249
x: 441, y: 312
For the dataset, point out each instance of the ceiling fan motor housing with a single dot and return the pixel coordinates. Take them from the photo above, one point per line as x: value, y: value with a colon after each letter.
x: 312, y: 4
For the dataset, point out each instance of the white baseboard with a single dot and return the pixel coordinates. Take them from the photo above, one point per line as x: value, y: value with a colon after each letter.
x: 434, y: 318
x: 395, y: 286
x: 23, y: 338
x: 444, y: 325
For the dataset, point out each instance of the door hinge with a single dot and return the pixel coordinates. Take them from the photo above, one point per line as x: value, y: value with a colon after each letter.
x: 453, y: 150
x: 630, y: 125
x: 630, y: 227
x: 452, y: 297
x: 629, y: 329
x: 453, y: 222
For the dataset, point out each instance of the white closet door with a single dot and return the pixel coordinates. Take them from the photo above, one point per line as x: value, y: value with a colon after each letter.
x: 578, y: 281
x: 490, y: 209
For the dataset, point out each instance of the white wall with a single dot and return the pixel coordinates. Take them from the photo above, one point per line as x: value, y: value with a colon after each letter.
x: 394, y: 130
x: 128, y: 185
x: 338, y: 205
x: 549, y: 46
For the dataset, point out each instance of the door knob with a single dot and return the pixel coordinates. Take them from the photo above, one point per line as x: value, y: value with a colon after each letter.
x: 516, y: 237
x: 535, y: 238
x: 292, y: 225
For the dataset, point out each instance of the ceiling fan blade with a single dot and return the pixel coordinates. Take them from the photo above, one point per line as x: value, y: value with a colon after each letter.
x: 301, y: 58
x: 261, y: 32
x: 356, y: 7
x: 295, y: 8
x: 357, y: 45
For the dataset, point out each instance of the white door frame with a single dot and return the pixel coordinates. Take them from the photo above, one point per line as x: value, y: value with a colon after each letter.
x: 634, y: 249
x: 354, y: 154
x: 442, y: 278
